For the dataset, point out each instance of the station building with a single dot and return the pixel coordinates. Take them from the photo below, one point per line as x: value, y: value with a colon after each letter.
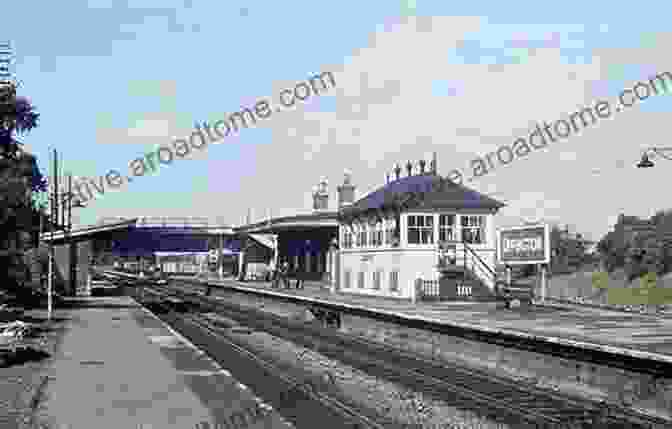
x: 385, y: 242
x: 417, y: 229
x: 305, y: 241
x: 178, y: 245
x: 390, y: 238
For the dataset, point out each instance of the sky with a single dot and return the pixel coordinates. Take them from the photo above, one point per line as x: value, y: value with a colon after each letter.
x: 113, y: 80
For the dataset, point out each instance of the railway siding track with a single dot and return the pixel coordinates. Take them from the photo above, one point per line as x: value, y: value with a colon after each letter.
x: 498, y: 397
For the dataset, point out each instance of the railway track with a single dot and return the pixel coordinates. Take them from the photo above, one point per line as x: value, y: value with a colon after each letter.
x: 297, y: 398
x: 495, y: 397
x: 498, y: 398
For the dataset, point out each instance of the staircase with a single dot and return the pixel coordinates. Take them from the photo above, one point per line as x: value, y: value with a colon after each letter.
x: 477, y: 275
x: 469, y: 278
x: 479, y: 291
x: 521, y: 290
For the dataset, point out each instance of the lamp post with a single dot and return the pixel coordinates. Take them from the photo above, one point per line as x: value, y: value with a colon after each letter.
x: 646, y: 162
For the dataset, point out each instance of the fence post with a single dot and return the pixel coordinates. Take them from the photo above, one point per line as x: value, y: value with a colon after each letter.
x: 416, y: 290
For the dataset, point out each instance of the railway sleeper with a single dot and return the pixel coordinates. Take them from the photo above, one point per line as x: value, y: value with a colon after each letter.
x: 557, y: 414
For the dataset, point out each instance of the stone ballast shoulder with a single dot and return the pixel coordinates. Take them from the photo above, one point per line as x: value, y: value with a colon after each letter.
x: 636, y: 354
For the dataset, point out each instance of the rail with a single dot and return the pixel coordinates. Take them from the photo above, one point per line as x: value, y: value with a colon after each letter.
x: 311, y: 396
x: 466, y: 387
x: 645, y: 362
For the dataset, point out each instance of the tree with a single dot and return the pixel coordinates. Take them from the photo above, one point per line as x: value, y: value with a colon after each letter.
x: 567, y: 253
x: 663, y: 227
x: 645, y: 255
x: 613, y: 251
x: 19, y: 178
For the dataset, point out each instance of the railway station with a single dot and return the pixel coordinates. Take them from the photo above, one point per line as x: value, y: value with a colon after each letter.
x: 417, y: 228
x: 416, y: 263
x: 589, y: 354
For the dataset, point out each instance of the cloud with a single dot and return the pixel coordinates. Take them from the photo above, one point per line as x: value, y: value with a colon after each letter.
x: 151, y: 129
x: 386, y: 109
x: 153, y: 88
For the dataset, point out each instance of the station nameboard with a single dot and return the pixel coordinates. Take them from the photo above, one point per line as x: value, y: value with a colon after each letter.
x: 524, y: 245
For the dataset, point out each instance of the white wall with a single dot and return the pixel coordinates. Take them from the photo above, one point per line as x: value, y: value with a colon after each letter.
x: 411, y: 261
x: 410, y: 264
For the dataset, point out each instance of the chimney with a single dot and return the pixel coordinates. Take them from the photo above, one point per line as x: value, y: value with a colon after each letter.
x: 409, y: 168
x: 397, y: 171
x: 422, y: 166
x: 346, y: 192
x: 432, y: 165
x: 321, y: 196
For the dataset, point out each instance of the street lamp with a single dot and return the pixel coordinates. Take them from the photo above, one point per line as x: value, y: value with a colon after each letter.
x: 646, y: 162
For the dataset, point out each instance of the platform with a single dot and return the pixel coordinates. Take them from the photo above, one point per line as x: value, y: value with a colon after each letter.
x: 635, y: 335
x: 121, y: 367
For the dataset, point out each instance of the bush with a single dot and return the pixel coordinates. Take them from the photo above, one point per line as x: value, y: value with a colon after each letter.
x: 649, y: 280
x: 642, y: 261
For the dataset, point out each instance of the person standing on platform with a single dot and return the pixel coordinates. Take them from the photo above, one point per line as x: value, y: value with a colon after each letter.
x: 243, y: 269
x: 272, y: 272
x: 284, y: 273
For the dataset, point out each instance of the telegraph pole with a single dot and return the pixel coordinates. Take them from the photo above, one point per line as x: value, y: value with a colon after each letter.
x: 52, y: 218
x: 67, y: 230
x: 56, y: 197
x: 5, y: 62
x: 63, y: 203
x: 220, y: 259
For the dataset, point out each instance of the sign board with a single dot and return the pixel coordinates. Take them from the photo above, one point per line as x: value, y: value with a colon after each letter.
x: 524, y: 245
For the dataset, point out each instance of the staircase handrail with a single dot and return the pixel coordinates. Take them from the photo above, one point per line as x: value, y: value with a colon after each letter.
x: 483, y: 264
x: 483, y: 271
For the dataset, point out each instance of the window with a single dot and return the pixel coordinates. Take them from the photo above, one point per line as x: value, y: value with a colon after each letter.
x: 473, y: 229
x: 361, y: 237
x: 377, y: 235
x: 394, y: 281
x: 420, y: 229
x: 360, y: 280
x: 376, y: 279
x: 447, y: 227
x: 390, y: 231
x: 347, y: 279
x: 347, y: 239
